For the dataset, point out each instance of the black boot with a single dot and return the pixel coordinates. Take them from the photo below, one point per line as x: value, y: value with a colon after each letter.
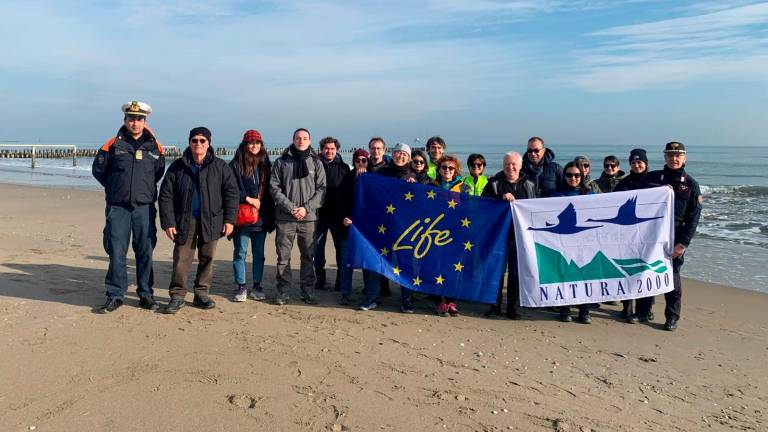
x: 320, y: 279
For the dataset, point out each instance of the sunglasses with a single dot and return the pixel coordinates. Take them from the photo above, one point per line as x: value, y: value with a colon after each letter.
x: 361, y: 160
x: 609, y: 165
x: 418, y: 162
x: 535, y: 150
x: 447, y: 168
x: 198, y: 140
x: 572, y: 175
x: 477, y: 165
x: 585, y: 165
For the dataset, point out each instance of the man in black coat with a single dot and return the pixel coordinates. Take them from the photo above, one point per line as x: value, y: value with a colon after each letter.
x: 329, y: 215
x: 129, y: 166
x: 509, y: 185
x: 687, y: 202
x: 199, y: 199
x: 540, y: 167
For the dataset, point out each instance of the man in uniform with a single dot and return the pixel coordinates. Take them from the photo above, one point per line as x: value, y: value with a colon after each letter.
x: 129, y: 166
x: 687, y: 202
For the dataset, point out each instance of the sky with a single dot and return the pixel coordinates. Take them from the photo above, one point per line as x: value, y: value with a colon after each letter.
x: 635, y: 72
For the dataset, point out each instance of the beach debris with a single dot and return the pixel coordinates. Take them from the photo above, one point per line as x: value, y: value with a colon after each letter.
x: 647, y: 359
x: 479, y: 354
x: 618, y: 354
x: 494, y: 412
x: 461, y: 397
x: 562, y: 425
x: 32, y: 427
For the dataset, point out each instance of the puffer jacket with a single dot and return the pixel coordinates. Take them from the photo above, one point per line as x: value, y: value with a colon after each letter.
x: 546, y: 176
x: 219, y: 197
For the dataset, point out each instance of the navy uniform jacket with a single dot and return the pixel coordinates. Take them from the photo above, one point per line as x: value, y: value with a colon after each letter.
x: 128, y: 172
x: 687, y: 200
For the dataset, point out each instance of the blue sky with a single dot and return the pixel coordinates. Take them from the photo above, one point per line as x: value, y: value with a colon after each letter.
x: 637, y: 72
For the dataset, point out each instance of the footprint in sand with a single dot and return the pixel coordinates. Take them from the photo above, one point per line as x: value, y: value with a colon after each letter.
x: 245, y: 401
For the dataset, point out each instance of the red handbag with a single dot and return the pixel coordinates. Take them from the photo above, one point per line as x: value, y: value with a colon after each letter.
x: 248, y: 214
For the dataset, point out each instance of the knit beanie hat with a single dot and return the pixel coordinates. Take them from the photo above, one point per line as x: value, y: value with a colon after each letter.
x: 360, y: 153
x: 252, y: 136
x: 200, y: 130
x: 638, y: 154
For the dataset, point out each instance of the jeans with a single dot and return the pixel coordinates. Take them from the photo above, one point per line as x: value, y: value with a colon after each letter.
x: 122, y: 223
x: 304, y: 234
x: 321, y: 235
x: 240, y: 241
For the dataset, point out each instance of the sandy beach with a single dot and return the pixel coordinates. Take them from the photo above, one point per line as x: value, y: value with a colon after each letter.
x: 257, y: 366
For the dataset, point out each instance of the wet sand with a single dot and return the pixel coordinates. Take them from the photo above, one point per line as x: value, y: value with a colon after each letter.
x: 257, y: 366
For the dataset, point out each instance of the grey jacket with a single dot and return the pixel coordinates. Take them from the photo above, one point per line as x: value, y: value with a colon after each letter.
x: 290, y: 193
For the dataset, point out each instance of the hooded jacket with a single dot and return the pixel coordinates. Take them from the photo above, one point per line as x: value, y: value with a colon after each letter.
x: 546, y: 176
x: 290, y: 193
x: 128, y: 173
x: 219, y: 197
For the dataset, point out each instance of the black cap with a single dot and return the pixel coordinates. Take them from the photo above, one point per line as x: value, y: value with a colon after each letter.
x: 638, y: 154
x: 200, y: 130
x: 674, y: 147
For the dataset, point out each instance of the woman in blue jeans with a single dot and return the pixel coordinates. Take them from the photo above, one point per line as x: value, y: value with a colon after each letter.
x: 251, y: 166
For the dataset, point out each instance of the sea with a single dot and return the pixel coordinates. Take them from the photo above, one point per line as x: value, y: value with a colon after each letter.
x: 730, y: 247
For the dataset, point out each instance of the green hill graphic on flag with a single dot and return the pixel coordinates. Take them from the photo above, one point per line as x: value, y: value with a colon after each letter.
x: 555, y: 268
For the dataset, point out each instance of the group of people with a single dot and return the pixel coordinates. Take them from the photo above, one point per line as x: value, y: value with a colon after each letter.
x: 305, y: 195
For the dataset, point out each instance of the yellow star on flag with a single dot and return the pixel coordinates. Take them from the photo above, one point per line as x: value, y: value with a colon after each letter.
x: 431, y: 194
x: 465, y: 222
x: 458, y: 266
x: 408, y: 196
x: 417, y: 281
x: 384, y: 251
x: 439, y: 279
x: 452, y: 204
x: 396, y: 270
x: 390, y: 209
x: 468, y: 246
x: 382, y: 229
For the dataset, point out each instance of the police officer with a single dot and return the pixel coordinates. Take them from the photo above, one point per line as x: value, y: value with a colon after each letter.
x: 687, y: 204
x: 129, y: 166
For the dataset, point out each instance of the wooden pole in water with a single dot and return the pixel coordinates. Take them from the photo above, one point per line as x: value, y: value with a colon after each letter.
x: 74, y: 154
x: 33, y: 156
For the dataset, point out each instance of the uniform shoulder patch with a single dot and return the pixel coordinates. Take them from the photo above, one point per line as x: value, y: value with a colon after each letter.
x: 107, y: 145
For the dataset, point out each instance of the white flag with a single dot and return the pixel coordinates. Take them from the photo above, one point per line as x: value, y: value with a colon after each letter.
x: 594, y: 248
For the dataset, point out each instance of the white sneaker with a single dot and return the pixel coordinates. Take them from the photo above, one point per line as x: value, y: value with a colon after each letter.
x: 241, y: 295
x: 368, y: 307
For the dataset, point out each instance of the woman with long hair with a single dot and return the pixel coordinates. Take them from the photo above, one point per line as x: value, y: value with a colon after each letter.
x: 251, y: 166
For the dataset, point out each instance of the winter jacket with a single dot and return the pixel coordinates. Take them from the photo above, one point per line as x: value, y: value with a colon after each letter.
x: 457, y: 185
x: 608, y: 183
x: 250, y: 187
x: 498, y: 185
x: 633, y: 181
x: 130, y: 169
x: 546, y: 176
x: 687, y: 200
x: 219, y: 197
x: 290, y: 193
x: 335, y: 171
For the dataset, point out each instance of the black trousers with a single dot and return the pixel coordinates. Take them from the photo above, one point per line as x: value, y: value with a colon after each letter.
x: 673, y: 299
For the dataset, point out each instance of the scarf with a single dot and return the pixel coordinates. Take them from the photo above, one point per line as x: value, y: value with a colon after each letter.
x: 300, y: 161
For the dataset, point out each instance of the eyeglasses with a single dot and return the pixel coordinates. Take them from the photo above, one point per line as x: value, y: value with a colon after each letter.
x: 609, y: 165
x: 477, y: 165
x: 361, y: 160
x: 535, y: 150
x: 447, y: 168
x: 418, y: 162
x: 572, y: 175
x: 198, y: 140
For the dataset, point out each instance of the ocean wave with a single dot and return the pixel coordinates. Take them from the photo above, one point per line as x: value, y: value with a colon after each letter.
x: 743, y: 190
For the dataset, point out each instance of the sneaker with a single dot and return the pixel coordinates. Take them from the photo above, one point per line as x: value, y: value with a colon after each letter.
x: 309, y: 300
x: 452, y: 309
x: 633, y: 319
x: 110, y: 306
x: 671, y: 324
x: 344, y: 300
x: 241, y: 294
x: 585, y: 319
x: 369, y: 306
x: 203, y: 302
x: 257, y: 293
x: 442, y: 309
x: 407, y: 307
x: 281, y: 301
x: 174, y: 305
x: 148, y: 303
x: 565, y: 317
x: 650, y: 316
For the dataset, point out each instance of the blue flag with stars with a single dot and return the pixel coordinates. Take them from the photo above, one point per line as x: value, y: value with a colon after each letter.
x: 429, y: 239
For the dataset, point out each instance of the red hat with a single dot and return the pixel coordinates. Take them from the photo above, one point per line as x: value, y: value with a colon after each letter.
x: 252, y: 135
x: 360, y: 152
